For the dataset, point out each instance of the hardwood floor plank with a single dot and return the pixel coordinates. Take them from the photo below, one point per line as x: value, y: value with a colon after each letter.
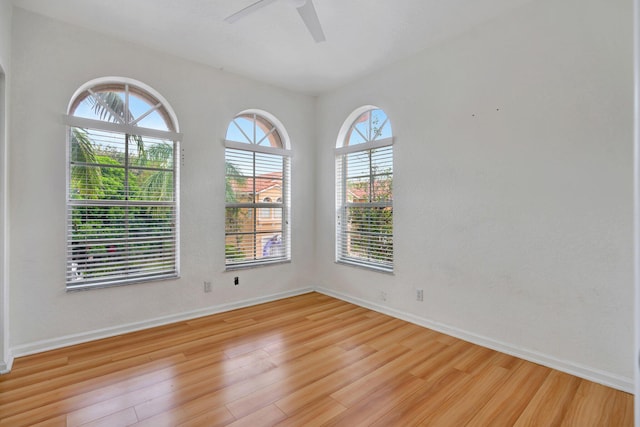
x: 122, y: 418
x: 467, y: 399
x: 36, y: 403
x: 208, y: 394
x: 345, y: 332
x: 267, y: 416
x: 441, y: 362
x: 28, y: 370
x: 295, y: 379
x: 378, y: 403
x: 593, y: 405
x: 427, y: 400
x: 400, y: 333
x: 361, y: 387
x: 161, y: 383
x: 59, y: 421
x: 475, y: 360
x: 301, y: 334
x: 550, y: 403
x: 338, y: 379
x: 213, y: 418
x: 317, y: 413
x: 370, y: 334
x: 306, y: 360
x: 507, y: 404
x: 203, y: 382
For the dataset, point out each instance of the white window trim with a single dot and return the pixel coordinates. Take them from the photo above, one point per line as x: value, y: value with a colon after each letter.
x: 82, y: 122
x: 371, y: 145
x: 341, y: 151
x: 285, y: 204
x: 257, y: 148
x: 125, y: 129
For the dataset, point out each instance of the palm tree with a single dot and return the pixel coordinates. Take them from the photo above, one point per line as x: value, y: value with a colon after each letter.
x: 158, y: 186
x: 87, y: 180
x: 110, y: 107
x: 234, y: 179
x: 233, y: 175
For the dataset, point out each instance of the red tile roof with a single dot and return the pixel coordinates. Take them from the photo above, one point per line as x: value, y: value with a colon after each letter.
x: 263, y: 183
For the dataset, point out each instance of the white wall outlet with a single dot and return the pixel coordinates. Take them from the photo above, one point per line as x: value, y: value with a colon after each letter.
x: 383, y: 296
x: 419, y: 295
x: 207, y: 286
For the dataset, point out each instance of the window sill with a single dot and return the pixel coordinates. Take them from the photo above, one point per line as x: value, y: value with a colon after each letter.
x: 364, y: 266
x: 235, y: 267
x: 91, y: 286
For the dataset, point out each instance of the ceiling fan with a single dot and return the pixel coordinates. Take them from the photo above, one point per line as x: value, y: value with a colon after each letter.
x: 305, y: 9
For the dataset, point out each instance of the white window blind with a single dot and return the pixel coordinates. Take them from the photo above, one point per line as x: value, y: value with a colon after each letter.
x: 257, y: 194
x: 364, y: 194
x: 122, y: 191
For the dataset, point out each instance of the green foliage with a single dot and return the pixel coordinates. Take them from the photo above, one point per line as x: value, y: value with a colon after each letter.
x: 113, y: 182
x: 86, y: 180
x: 103, y: 234
x: 110, y: 106
x: 233, y: 179
x: 158, y: 185
x: 371, y: 231
x: 371, y: 227
x: 232, y: 252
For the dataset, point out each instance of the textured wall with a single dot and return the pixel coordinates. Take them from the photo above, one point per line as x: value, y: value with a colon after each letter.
x: 51, y: 61
x: 513, y: 185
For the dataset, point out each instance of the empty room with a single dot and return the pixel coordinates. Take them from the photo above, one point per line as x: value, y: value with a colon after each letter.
x: 317, y: 212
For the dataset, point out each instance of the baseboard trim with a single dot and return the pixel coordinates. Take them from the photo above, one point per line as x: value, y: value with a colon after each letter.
x: 65, y: 341
x: 605, y: 378
x: 5, y: 366
x: 601, y: 377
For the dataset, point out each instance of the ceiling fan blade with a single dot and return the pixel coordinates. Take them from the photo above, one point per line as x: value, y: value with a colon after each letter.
x: 247, y: 10
x: 310, y: 17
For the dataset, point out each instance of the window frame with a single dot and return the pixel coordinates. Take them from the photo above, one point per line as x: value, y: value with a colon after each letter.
x: 342, y: 151
x: 127, y: 128
x: 259, y: 210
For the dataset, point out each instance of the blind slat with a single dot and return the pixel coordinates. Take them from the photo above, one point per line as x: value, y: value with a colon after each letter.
x: 364, y: 195
x: 257, y: 203
x: 122, y: 210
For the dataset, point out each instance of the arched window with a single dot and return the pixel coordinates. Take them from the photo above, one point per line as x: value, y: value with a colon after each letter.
x: 122, y: 185
x: 257, y: 173
x: 364, y: 190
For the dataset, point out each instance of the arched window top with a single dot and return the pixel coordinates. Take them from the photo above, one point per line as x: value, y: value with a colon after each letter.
x: 125, y: 102
x: 366, y: 125
x: 259, y: 129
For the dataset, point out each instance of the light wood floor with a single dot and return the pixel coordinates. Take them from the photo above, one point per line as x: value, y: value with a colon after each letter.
x: 302, y: 361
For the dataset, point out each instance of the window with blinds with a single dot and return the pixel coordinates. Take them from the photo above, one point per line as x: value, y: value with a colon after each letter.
x: 257, y: 192
x: 122, y: 187
x: 364, y: 192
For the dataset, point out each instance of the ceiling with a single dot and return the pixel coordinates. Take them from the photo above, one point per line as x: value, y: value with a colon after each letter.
x: 272, y: 44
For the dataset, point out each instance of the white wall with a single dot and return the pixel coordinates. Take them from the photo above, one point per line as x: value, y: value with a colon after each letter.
x: 51, y: 60
x: 513, y: 186
x: 5, y: 72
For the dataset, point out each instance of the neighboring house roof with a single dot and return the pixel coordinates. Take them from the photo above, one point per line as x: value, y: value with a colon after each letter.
x: 360, y: 191
x: 264, y: 182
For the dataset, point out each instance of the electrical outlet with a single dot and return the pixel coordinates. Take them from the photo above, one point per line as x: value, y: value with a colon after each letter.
x: 419, y: 295
x: 383, y: 295
x: 236, y: 280
x: 207, y: 286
